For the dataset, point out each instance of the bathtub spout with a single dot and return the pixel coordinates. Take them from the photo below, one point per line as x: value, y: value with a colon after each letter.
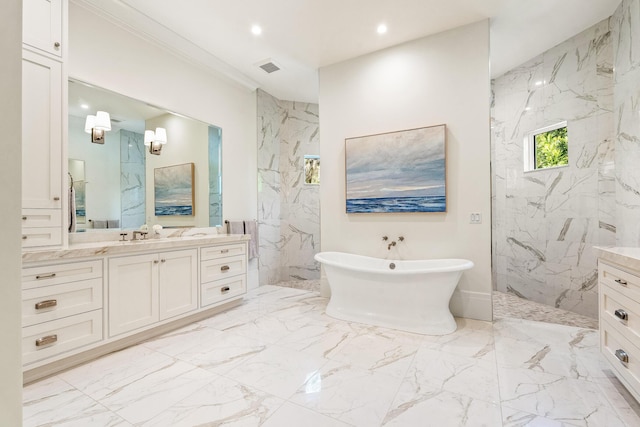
x: 393, y: 243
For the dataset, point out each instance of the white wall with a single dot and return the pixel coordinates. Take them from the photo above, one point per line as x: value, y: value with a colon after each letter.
x: 106, y: 55
x: 10, y: 173
x: 438, y: 79
x: 188, y: 142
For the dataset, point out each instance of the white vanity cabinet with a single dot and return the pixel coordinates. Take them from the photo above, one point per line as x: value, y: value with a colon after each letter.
x: 145, y: 289
x: 44, y: 115
x: 61, y: 309
x: 619, y: 299
x: 222, y: 273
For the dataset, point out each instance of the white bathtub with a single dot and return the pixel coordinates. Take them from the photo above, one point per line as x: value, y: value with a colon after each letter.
x: 412, y: 296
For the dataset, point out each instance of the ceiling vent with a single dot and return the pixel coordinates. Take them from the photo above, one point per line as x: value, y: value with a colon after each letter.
x: 268, y: 66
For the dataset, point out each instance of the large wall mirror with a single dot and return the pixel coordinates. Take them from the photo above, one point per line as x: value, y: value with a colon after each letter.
x: 116, y: 183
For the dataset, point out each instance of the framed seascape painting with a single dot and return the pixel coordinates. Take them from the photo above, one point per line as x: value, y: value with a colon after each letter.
x: 401, y: 171
x: 173, y: 187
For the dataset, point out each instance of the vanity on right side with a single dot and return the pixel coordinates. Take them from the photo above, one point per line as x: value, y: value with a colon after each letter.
x: 619, y: 313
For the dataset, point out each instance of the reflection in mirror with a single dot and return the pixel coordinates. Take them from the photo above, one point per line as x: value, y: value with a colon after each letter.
x: 77, y: 182
x: 118, y: 176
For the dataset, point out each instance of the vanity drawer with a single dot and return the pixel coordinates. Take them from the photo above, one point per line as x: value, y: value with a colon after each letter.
x: 41, y: 218
x: 58, y: 336
x: 622, y: 312
x: 611, y: 342
x: 221, y: 290
x: 33, y: 277
x: 626, y: 283
x: 222, y: 251
x: 222, y: 268
x: 45, y: 236
x: 55, y: 302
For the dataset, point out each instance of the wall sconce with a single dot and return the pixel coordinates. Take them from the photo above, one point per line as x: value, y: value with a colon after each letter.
x: 97, y: 125
x: 155, y: 140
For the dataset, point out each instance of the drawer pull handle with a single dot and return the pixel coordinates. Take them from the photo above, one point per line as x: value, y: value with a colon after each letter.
x: 49, y: 339
x: 224, y: 268
x: 225, y: 290
x: 163, y: 260
x: 46, y: 304
x: 622, y: 355
x: 56, y: 199
x: 46, y: 276
x: 621, y: 314
x: 24, y: 237
x: 24, y: 218
x: 155, y: 261
x: 224, y: 251
x: 621, y: 282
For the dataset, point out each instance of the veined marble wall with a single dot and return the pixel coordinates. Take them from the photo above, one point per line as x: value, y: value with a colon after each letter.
x: 288, y: 209
x: 132, y: 179
x: 546, y: 222
x: 625, y: 30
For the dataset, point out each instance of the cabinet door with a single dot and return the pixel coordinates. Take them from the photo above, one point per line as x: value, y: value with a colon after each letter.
x: 42, y: 25
x: 41, y: 132
x: 133, y: 293
x: 178, y: 282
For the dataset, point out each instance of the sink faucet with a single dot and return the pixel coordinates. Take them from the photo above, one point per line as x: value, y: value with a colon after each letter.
x: 137, y: 233
x: 393, y: 243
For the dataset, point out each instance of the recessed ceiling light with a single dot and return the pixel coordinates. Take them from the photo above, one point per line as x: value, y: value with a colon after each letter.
x: 256, y: 30
x: 84, y: 106
x: 382, y: 28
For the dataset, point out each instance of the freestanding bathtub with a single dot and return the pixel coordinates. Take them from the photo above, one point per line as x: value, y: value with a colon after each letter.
x: 408, y: 295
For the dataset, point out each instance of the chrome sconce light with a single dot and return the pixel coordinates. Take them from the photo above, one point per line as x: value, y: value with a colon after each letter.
x: 97, y: 125
x: 155, y: 140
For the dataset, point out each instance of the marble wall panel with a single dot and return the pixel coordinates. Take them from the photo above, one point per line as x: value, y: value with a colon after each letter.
x: 132, y: 179
x: 288, y: 209
x: 546, y: 221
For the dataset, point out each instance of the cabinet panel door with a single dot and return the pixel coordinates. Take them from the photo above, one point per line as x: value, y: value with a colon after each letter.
x: 41, y: 132
x: 133, y: 293
x: 178, y: 282
x: 42, y: 25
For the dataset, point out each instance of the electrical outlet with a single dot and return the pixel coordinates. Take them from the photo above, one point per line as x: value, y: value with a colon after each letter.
x: 475, y: 218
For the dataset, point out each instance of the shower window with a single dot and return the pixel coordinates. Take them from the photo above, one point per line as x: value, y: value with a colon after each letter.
x: 547, y: 147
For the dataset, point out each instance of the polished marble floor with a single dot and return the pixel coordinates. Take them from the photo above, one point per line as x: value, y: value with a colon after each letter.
x: 278, y: 360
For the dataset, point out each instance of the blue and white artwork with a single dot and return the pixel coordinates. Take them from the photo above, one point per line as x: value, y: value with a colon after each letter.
x: 174, y: 190
x: 400, y: 171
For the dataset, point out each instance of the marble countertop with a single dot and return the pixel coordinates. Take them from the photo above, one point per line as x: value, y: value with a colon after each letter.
x: 625, y: 256
x: 113, y: 247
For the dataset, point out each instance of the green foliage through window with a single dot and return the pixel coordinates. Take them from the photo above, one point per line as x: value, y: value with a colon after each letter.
x: 551, y: 148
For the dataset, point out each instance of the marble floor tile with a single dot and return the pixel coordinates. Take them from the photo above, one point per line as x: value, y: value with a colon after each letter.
x: 278, y: 360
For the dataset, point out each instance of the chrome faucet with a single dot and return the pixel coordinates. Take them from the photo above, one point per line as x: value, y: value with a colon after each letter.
x: 137, y: 233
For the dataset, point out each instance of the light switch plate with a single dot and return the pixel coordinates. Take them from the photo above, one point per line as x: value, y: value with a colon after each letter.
x: 475, y: 218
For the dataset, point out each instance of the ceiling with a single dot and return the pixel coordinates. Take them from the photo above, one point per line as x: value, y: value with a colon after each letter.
x: 301, y: 36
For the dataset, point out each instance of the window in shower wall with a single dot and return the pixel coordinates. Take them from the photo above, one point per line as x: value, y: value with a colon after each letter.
x: 547, y: 147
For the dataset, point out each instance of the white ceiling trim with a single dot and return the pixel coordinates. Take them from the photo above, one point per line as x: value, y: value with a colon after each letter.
x: 141, y: 25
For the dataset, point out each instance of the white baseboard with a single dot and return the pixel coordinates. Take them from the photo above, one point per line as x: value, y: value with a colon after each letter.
x: 472, y: 305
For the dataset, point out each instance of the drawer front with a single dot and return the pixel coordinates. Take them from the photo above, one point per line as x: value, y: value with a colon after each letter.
x: 222, y: 290
x: 216, y: 269
x: 60, y: 336
x: 55, y: 302
x: 45, y: 236
x: 41, y: 218
x: 611, y: 342
x: 622, y: 312
x: 222, y: 251
x: 62, y: 273
x: 620, y: 280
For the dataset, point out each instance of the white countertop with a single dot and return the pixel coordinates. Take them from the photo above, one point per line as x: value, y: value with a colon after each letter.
x: 623, y: 256
x: 112, y: 247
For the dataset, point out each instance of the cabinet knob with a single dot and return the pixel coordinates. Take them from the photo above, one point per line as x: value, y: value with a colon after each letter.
x: 155, y: 261
x: 24, y: 237
x: 24, y: 218
x: 56, y: 45
x: 163, y: 260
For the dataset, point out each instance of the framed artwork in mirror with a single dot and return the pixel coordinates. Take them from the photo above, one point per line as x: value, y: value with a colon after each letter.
x: 401, y: 171
x: 174, y: 190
